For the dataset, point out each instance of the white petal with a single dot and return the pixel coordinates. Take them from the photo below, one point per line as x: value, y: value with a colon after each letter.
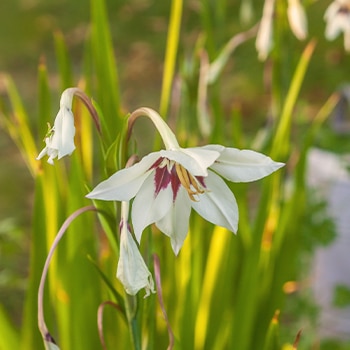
x: 67, y: 133
x: 132, y: 270
x: 175, y: 223
x: 49, y: 151
x: 333, y: 28
x: 244, y: 165
x: 297, y: 19
x: 148, y: 208
x: 195, y: 160
x: 50, y: 346
x: 331, y: 10
x: 42, y: 153
x: 50, y: 159
x: 125, y: 183
x: 218, y: 205
x: 263, y: 41
x: 66, y: 100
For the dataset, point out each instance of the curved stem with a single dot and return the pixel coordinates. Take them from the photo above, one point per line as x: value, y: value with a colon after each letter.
x: 41, y: 319
x: 168, y: 137
x: 87, y: 102
x: 100, y: 319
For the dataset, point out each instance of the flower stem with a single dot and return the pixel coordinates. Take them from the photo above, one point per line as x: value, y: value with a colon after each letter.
x: 165, y: 132
x: 131, y: 311
x: 41, y: 319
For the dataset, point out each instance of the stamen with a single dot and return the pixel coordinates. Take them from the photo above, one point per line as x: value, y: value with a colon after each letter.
x: 195, y: 184
x: 186, y: 180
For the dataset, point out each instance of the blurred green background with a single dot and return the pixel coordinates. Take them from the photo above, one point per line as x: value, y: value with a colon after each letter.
x: 139, y: 29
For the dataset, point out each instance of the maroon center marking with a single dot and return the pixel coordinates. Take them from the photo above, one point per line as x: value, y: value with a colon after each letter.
x: 175, y: 182
x: 200, y: 179
x: 163, y: 177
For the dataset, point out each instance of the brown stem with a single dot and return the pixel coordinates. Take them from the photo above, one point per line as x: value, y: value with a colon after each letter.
x: 87, y: 102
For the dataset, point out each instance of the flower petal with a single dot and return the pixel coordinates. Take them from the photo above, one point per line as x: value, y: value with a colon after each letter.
x: 176, y: 221
x: 67, y: 133
x: 218, y: 205
x: 244, y: 165
x: 297, y: 19
x: 333, y: 28
x: 263, y: 41
x: 148, y: 207
x: 125, y: 183
x: 196, y: 160
x: 42, y: 153
x: 132, y: 270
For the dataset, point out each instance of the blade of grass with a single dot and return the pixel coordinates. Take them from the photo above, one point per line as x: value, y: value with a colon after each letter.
x: 19, y: 127
x: 9, y: 336
x: 171, y: 54
x: 64, y: 64
x: 280, y: 146
x: 218, y: 249
x: 105, y: 66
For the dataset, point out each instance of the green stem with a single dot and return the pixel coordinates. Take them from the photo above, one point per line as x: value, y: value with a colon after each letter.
x: 131, y: 311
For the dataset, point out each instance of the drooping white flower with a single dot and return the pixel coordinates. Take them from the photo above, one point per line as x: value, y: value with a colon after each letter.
x: 337, y: 17
x: 297, y: 19
x: 60, y: 138
x: 263, y: 41
x: 166, y: 184
x: 132, y: 270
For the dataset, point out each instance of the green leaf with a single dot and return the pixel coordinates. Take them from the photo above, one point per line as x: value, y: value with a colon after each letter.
x: 272, y: 335
x: 63, y: 60
x: 44, y: 103
x: 110, y: 286
x: 281, y: 143
x: 341, y: 297
x: 19, y: 127
x: 105, y: 66
x: 9, y: 336
x: 170, y: 55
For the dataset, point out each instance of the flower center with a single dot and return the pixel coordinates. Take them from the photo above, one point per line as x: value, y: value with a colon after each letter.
x: 168, y: 172
x: 344, y: 9
x: 189, y: 182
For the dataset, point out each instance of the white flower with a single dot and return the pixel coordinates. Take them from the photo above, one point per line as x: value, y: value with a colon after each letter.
x: 132, y: 270
x: 60, y: 139
x: 263, y: 42
x: 337, y: 17
x: 165, y: 185
x: 297, y: 19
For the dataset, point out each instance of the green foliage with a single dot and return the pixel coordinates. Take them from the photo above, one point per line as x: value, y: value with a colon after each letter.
x: 341, y: 296
x: 222, y: 291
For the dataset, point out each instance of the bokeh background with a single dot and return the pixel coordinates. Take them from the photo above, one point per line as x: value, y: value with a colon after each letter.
x: 139, y: 29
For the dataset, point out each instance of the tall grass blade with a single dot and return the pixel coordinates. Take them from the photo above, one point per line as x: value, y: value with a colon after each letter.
x: 170, y: 55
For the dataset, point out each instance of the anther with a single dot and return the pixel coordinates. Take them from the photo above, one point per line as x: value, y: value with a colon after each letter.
x: 186, y: 180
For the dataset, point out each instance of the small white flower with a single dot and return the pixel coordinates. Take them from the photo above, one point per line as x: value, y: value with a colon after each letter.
x: 297, y: 19
x: 165, y: 185
x: 337, y: 17
x: 263, y: 42
x: 60, y: 139
x: 132, y: 270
